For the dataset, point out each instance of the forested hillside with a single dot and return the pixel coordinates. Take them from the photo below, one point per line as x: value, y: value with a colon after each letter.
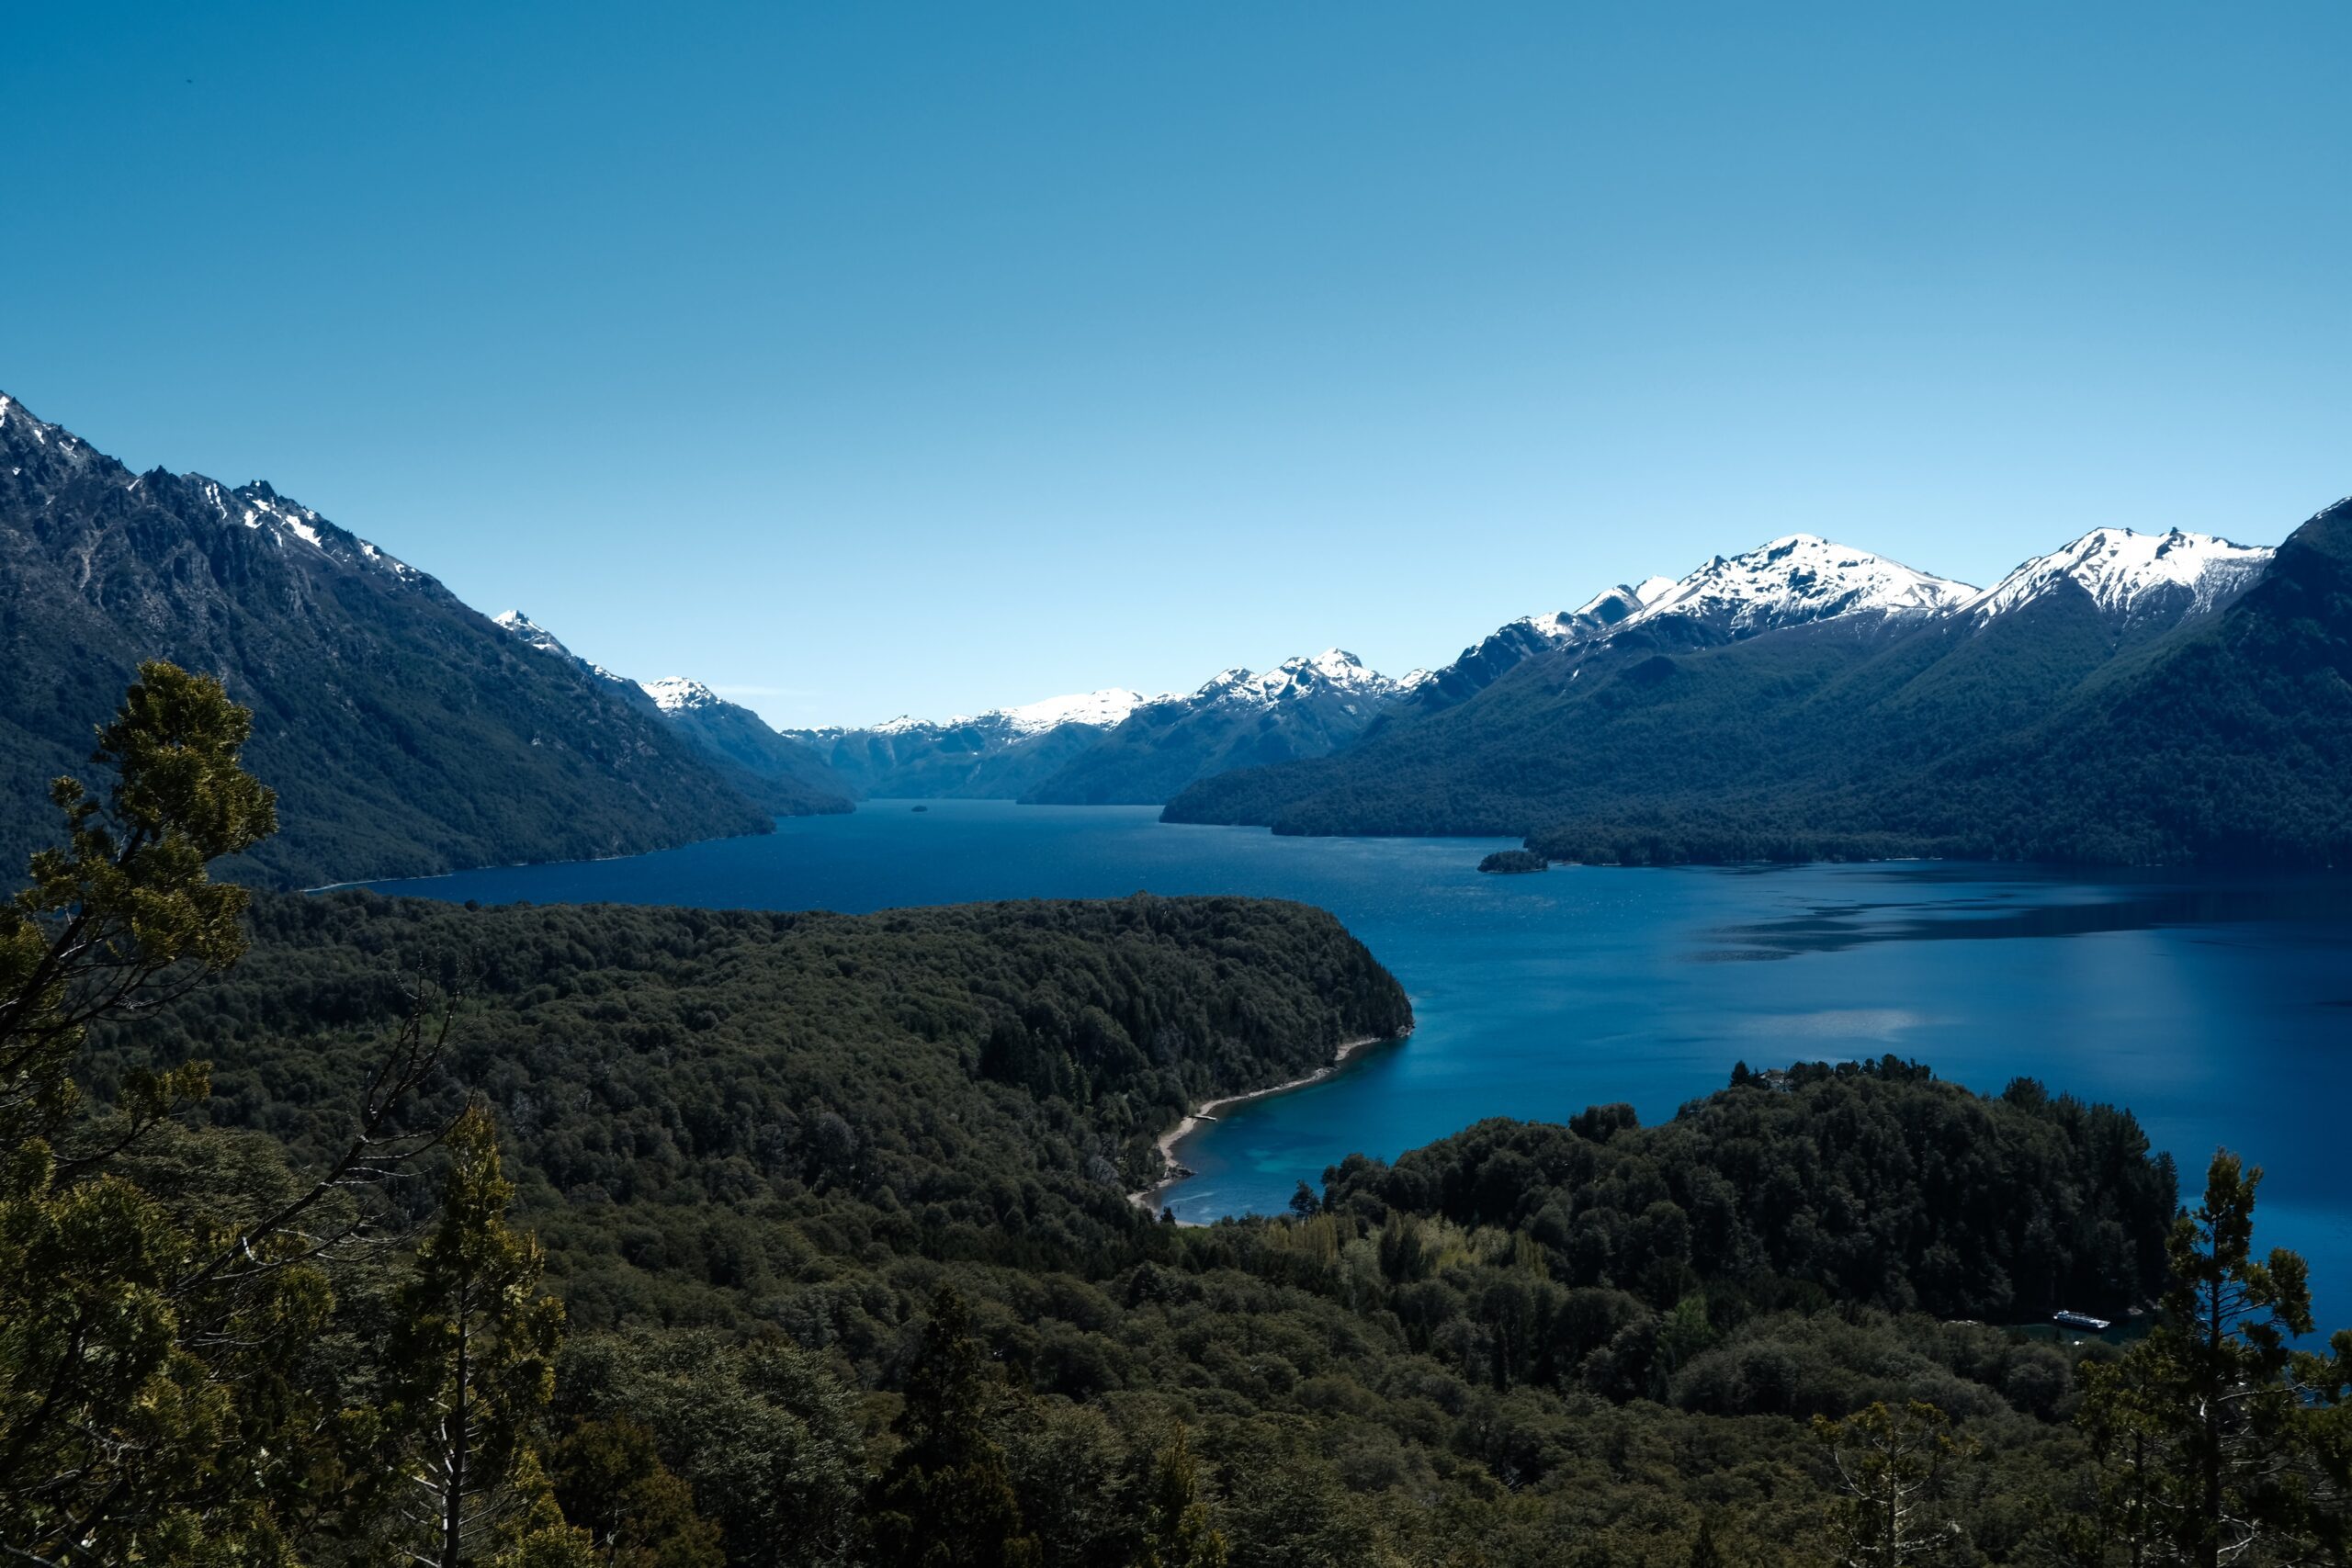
x: 683, y: 1091
x: 344, y: 1230
x: 797, y: 1129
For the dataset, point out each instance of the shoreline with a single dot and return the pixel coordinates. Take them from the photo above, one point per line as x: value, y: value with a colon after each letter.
x: 1145, y: 1199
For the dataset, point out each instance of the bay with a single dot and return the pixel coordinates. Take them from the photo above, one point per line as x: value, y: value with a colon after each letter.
x: 2219, y: 1009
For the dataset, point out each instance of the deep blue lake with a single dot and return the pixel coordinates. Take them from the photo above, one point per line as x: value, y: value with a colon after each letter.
x: 2219, y: 1009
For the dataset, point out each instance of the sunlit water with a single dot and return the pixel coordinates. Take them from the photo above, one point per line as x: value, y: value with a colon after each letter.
x: 2219, y: 1009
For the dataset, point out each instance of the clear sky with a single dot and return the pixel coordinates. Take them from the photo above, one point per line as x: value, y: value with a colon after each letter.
x: 865, y: 358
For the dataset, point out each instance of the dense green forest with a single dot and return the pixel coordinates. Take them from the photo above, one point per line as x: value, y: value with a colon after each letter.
x: 2036, y: 736
x: 558, y: 1236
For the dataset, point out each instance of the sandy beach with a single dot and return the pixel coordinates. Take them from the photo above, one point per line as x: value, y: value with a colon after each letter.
x: 1147, y: 1200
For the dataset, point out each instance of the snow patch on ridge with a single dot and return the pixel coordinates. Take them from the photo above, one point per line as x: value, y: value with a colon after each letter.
x: 1333, y: 670
x: 2120, y: 569
x: 675, y: 693
x: 1104, y: 709
x: 1800, y: 578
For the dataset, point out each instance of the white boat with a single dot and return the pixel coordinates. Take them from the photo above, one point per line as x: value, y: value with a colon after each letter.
x: 2070, y: 1319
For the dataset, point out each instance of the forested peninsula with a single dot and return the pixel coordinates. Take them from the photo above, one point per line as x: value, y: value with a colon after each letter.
x: 349, y: 1229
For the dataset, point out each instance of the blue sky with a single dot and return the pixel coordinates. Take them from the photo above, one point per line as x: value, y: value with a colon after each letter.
x: 876, y: 358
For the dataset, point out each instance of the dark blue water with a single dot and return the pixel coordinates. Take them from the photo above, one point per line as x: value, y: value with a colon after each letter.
x: 2220, y: 1011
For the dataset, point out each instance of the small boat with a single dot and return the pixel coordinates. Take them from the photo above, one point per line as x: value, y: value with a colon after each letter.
x: 2071, y: 1319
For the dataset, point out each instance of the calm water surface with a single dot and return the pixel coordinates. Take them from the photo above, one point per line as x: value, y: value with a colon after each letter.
x: 2220, y: 1011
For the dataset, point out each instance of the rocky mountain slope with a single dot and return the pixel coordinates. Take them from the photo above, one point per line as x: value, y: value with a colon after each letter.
x: 404, y: 733
x: 779, y: 775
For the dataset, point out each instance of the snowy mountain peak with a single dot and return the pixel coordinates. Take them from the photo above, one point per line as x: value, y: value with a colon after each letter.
x: 27, y: 439
x: 1597, y: 614
x: 1224, y: 682
x: 524, y: 629
x: 532, y: 635
x: 1104, y: 709
x: 1333, y: 670
x: 2125, y: 572
x: 1338, y: 666
x: 47, y: 457
x: 1100, y: 710
x: 1795, y: 579
x: 675, y: 693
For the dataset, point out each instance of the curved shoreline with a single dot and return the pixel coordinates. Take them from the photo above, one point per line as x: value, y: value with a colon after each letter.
x: 1145, y: 1199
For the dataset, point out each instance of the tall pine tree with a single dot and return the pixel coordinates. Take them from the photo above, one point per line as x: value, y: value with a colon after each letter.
x: 947, y: 1500
x: 2198, y: 1425
x: 473, y: 1360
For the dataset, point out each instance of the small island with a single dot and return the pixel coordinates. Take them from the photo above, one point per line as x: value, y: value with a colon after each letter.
x: 1513, y: 862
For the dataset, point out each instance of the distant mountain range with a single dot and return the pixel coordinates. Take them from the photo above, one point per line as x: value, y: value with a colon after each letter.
x: 2128, y: 698
x: 998, y: 755
x: 1119, y: 747
x: 404, y: 732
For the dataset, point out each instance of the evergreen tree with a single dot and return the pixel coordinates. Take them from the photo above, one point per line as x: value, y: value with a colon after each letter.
x: 1177, y: 1532
x: 2198, y: 1423
x: 143, y: 1404
x: 472, y: 1361
x: 947, y: 1500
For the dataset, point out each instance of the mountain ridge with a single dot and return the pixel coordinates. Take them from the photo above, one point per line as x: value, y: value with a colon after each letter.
x: 1929, y: 727
x: 406, y: 733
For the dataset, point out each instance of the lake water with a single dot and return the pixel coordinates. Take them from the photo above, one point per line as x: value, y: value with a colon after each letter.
x: 2219, y: 1009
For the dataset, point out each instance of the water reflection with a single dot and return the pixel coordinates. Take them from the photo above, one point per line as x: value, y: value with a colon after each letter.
x: 2034, y: 908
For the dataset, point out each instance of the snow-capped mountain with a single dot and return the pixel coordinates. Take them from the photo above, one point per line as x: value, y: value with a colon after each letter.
x: 57, y: 454
x: 1508, y: 646
x: 1710, y: 722
x: 994, y: 755
x: 675, y: 693
x: 1048, y: 749
x: 1798, y: 578
x: 1095, y: 710
x: 403, y: 733
x: 1333, y: 672
x: 532, y: 635
x: 1306, y: 706
x: 1788, y: 581
x: 2133, y: 578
